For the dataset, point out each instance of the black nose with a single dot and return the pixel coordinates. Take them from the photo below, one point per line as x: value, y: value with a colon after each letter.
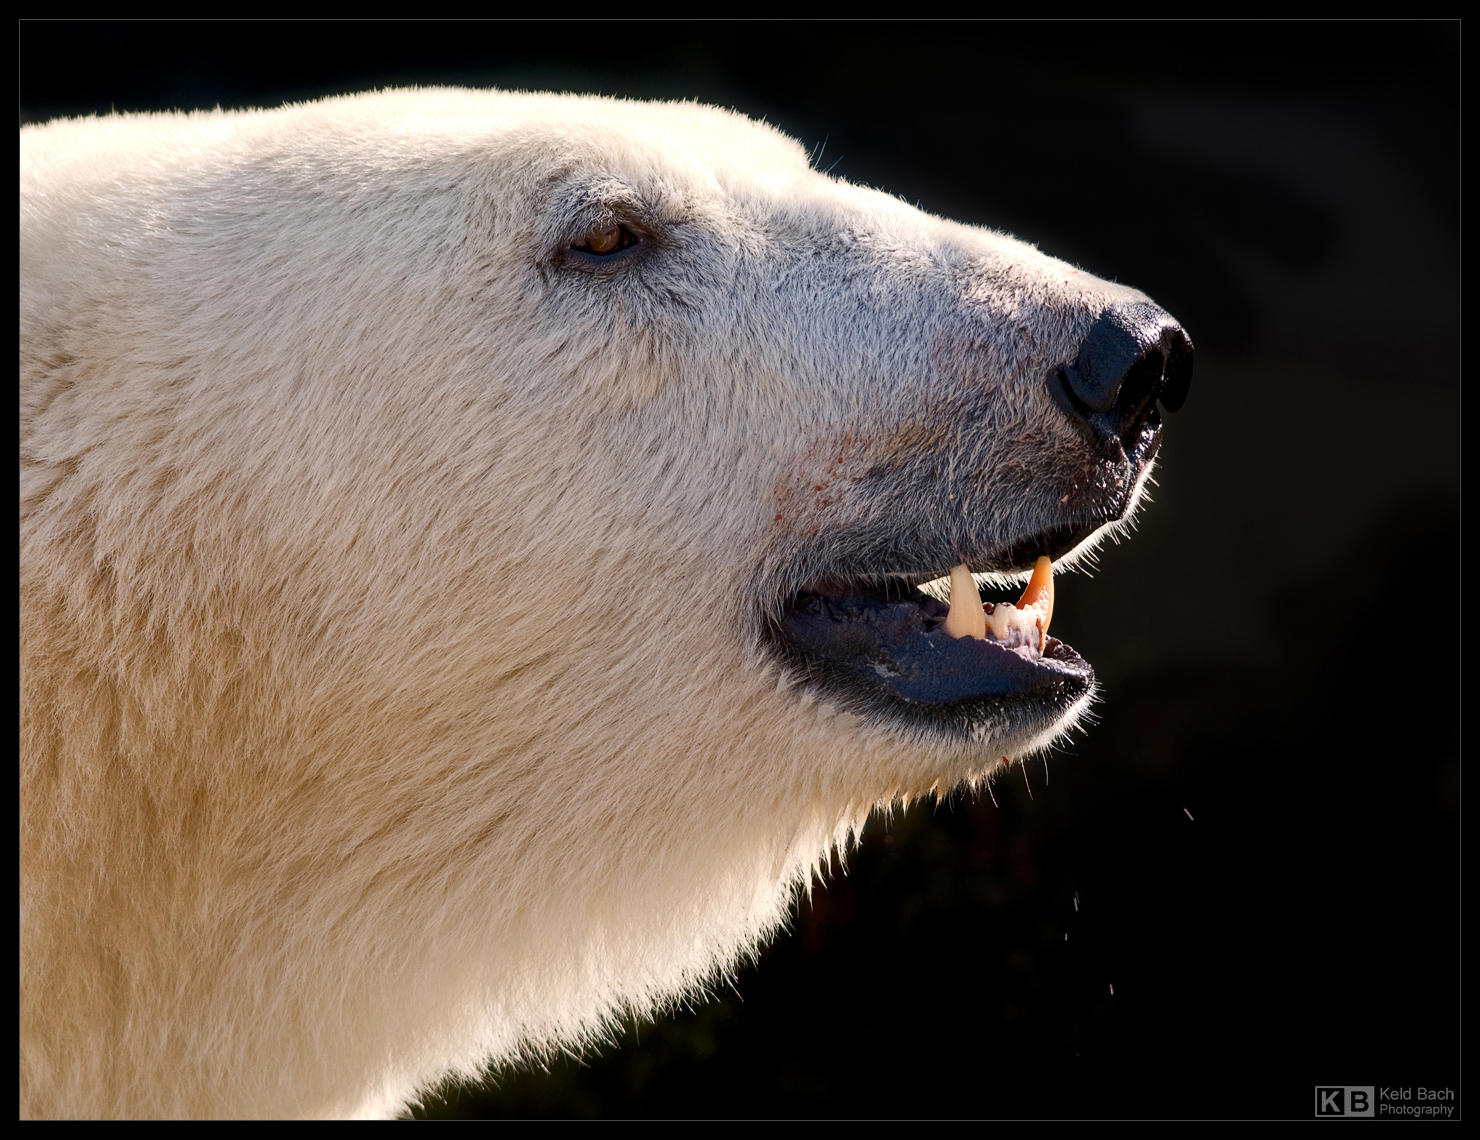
x: 1134, y: 355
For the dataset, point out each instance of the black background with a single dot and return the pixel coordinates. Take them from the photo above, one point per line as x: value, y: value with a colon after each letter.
x: 1254, y: 852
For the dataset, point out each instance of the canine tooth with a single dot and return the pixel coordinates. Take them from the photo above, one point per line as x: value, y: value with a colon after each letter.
x: 1038, y: 595
x: 966, y: 618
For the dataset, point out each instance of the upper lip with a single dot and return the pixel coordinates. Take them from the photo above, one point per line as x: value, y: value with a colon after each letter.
x: 1015, y: 556
x: 1019, y: 554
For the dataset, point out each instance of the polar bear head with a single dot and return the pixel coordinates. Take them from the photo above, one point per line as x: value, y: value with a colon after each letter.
x: 472, y: 553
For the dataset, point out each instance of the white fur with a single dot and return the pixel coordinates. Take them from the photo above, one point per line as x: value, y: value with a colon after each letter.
x: 391, y: 695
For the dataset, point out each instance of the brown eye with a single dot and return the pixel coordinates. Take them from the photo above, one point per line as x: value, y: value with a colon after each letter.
x: 607, y: 240
x: 604, y: 241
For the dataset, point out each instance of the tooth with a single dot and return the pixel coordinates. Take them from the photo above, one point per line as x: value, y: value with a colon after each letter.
x: 1026, y: 622
x: 967, y: 617
x: 1038, y: 595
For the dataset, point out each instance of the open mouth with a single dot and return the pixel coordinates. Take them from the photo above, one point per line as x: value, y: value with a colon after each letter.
x: 889, y: 649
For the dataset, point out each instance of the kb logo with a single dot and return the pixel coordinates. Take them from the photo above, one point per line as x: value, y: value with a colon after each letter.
x: 1344, y: 1100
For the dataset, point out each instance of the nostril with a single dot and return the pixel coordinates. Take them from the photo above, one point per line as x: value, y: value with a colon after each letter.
x: 1177, y: 377
x: 1123, y: 344
x: 1135, y: 354
x: 1139, y: 385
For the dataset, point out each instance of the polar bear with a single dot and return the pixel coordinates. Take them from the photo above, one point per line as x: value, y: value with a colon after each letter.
x: 474, y: 565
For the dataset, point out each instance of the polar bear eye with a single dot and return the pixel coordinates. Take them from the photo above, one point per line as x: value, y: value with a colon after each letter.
x: 606, y: 241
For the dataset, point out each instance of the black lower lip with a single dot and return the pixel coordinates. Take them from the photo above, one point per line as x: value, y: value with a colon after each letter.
x: 882, y: 653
